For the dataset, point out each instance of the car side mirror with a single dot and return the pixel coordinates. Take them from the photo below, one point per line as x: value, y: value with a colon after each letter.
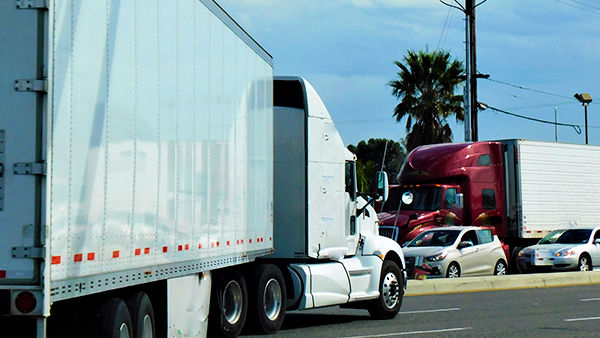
x: 464, y: 244
x: 460, y: 200
x: 383, y: 187
x: 597, y: 241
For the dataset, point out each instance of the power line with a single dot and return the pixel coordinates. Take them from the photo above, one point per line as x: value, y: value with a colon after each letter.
x: 576, y: 127
x: 589, y: 9
x: 529, y: 89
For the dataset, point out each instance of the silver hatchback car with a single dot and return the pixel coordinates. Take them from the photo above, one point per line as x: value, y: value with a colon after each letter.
x: 572, y: 249
x: 455, y: 251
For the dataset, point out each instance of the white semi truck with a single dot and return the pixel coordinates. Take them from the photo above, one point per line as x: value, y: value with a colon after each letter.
x: 156, y: 181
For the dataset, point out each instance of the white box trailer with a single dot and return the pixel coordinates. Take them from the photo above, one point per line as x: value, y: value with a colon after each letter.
x: 550, y: 186
x: 135, y: 147
x: 138, y: 173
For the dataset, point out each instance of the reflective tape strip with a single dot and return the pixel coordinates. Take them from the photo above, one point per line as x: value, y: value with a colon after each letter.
x: 138, y: 252
x: 116, y: 254
x: 146, y: 251
x: 91, y: 256
x: 78, y: 258
x: 55, y: 259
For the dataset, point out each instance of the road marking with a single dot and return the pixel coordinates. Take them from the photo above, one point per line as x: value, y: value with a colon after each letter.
x: 581, y: 319
x: 413, y: 332
x: 426, y: 311
x: 589, y: 299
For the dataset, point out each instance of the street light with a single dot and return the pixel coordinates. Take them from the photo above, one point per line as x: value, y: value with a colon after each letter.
x: 585, y: 100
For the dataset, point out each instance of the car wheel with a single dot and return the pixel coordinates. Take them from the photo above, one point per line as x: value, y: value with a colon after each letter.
x: 584, y: 263
x: 500, y: 268
x: 453, y: 270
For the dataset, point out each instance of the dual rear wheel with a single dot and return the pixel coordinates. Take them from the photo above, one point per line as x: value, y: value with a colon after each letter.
x: 255, y: 299
x: 124, y: 320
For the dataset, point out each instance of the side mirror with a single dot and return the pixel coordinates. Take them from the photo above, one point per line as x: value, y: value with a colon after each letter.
x: 460, y: 200
x: 464, y: 244
x: 597, y: 241
x: 383, y: 187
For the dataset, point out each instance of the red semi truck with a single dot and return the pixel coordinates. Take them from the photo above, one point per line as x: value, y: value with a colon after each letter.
x: 524, y: 189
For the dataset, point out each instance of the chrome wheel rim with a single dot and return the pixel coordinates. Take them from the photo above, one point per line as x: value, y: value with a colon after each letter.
x: 232, y: 302
x: 453, y: 271
x: 500, y: 269
x: 389, y: 290
x: 272, y: 299
x: 147, y: 333
x: 123, y: 331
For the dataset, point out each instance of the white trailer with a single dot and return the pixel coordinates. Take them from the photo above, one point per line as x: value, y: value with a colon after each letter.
x: 142, y: 187
x: 135, y: 150
x: 550, y: 186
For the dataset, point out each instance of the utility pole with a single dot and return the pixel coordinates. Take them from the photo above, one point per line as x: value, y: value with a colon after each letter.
x: 470, y: 12
x: 467, y: 96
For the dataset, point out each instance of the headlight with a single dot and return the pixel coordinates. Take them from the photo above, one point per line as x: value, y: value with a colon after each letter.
x: 436, y: 258
x: 565, y: 252
x: 521, y: 253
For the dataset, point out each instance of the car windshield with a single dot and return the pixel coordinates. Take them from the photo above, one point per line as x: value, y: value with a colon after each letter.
x: 551, y: 237
x: 435, y: 238
x: 424, y: 199
x: 574, y: 236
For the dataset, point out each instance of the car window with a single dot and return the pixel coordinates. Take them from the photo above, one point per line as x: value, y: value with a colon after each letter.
x: 470, y: 236
x: 551, y: 237
x: 574, y: 236
x: 597, y: 236
x: 485, y: 236
x: 435, y: 238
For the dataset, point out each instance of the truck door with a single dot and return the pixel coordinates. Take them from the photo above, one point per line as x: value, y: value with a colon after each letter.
x: 451, y: 211
x: 350, y: 197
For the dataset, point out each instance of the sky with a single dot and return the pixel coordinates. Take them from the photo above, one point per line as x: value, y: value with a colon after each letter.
x: 538, y: 53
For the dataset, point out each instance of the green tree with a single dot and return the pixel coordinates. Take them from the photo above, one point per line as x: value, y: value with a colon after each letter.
x: 369, y: 156
x: 425, y: 87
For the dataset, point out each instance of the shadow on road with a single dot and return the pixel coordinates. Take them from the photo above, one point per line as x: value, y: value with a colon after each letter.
x: 303, y: 320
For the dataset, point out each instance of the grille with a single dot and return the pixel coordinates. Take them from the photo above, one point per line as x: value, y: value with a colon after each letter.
x: 389, y: 232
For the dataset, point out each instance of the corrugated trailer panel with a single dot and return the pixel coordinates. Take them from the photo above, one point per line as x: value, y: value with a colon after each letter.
x: 161, y: 143
x: 559, y: 186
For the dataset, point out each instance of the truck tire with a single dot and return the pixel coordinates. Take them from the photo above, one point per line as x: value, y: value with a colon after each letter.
x: 387, y: 305
x: 115, y: 321
x: 228, y: 305
x: 267, y: 298
x: 142, y: 315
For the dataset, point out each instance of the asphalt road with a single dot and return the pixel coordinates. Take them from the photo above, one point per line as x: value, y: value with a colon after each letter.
x: 556, y: 312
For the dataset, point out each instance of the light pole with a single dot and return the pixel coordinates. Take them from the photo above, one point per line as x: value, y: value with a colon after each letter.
x: 555, y: 126
x: 585, y: 100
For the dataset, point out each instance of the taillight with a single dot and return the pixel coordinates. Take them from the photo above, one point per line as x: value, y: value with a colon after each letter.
x: 25, y: 302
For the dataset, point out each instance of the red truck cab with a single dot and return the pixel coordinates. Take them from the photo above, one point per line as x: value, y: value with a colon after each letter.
x: 451, y: 184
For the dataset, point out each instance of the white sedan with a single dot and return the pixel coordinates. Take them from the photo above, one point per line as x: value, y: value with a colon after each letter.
x: 572, y: 249
x: 455, y: 251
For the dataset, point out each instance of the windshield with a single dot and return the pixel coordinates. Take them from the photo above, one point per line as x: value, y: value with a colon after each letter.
x: 574, y: 236
x: 435, y: 238
x: 551, y: 237
x: 424, y: 199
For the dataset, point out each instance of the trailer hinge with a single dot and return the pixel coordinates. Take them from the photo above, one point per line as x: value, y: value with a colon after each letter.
x: 25, y: 85
x: 32, y: 4
x: 29, y: 168
x: 28, y: 252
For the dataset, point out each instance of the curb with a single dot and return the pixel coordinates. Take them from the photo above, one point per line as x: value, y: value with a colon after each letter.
x: 506, y: 282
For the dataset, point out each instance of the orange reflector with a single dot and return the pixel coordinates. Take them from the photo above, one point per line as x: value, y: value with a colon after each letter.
x: 25, y: 302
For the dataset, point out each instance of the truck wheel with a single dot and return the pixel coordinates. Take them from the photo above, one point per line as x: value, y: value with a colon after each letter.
x: 142, y: 315
x: 267, y: 298
x: 453, y: 270
x: 387, y: 305
x: 228, y: 305
x: 115, y: 320
x: 500, y: 268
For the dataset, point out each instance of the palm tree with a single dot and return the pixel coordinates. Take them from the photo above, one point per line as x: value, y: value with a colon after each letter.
x: 426, y: 91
